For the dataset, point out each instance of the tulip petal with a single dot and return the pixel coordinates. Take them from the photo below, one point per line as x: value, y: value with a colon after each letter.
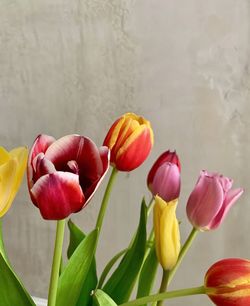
x: 8, y: 173
x: 41, y: 143
x: 131, y: 155
x: 231, y: 197
x: 205, y: 201
x: 4, y: 156
x: 166, y: 182
x: 58, y: 195
x: 80, y: 149
x: 113, y: 133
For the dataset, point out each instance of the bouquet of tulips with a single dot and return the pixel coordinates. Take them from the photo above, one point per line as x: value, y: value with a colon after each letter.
x: 62, y: 177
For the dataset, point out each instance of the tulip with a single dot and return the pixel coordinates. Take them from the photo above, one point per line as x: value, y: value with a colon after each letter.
x: 63, y: 174
x: 167, y: 235
x: 12, y: 168
x: 211, y: 200
x: 164, y: 176
x: 227, y: 282
x: 130, y: 140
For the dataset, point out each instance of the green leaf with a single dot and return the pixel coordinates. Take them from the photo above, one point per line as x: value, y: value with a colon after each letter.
x: 147, y: 274
x: 90, y: 283
x: 12, y: 292
x: 75, y: 273
x: 102, y: 299
x: 76, y: 237
x: 121, y: 282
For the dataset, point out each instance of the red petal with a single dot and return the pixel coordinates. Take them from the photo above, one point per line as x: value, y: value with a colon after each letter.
x: 41, y: 144
x: 136, y: 152
x: 57, y: 195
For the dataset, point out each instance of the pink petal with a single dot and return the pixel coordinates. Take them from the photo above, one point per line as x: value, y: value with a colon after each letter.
x: 40, y: 145
x: 231, y: 197
x: 205, y: 201
x: 166, y: 182
x: 57, y: 195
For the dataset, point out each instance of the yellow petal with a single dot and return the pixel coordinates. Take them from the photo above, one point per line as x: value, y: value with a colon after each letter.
x: 8, y: 173
x: 4, y: 156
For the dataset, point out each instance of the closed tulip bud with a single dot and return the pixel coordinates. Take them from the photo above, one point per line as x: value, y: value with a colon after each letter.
x: 12, y: 168
x: 164, y: 177
x: 167, y: 235
x: 211, y: 200
x: 227, y: 282
x: 130, y: 140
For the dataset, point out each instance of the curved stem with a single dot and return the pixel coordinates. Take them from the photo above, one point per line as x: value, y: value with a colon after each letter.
x: 164, y: 284
x: 56, y: 263
x: 150, y: 205
x: 166, y: 295
x: 183, y: 252
x: 109, y: 267
x: 105, y: 200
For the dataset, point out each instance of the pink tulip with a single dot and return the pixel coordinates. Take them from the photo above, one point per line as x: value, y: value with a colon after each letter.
x: 164, y: 177
x: 211, y: 200
x: 63, y: 174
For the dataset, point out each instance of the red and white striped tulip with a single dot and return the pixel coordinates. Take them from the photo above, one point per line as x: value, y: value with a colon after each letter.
x: 63, y: 174
x: 211, y: 200
x: 227, y: 282
x: 130, y: 140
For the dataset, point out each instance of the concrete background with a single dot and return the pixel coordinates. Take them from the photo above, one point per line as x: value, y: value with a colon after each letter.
x: 75, y: 66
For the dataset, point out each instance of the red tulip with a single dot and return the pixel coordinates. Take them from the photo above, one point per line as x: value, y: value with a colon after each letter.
x: 164, y: 177
x: 130, y: 140
x: 211, y: 200
x: 63, y: 174
x: 227, y: 282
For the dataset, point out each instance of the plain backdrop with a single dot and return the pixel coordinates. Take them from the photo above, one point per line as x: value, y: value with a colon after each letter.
x: 76, y: 66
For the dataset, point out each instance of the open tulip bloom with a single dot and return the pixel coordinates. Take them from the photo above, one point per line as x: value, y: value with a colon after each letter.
x: 63, y: 176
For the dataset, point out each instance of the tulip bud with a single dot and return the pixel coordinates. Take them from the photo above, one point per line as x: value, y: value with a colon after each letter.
x: 12, y: 168
x: 130, y: 140
x: 227, y: 282
x: 164, y: 177
x: 211, y: 200
x: 167, y: 235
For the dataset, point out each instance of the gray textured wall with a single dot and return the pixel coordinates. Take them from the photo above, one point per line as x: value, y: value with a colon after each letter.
x: 75, y: 66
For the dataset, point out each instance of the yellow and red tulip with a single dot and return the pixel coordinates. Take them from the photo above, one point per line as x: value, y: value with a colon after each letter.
x: 227, y: 282
x: 130, y: 140
x: 63, y: 174
x: 12, y: 168
x: 167, y: 234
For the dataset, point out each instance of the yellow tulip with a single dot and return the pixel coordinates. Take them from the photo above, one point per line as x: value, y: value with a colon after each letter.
x: 12, y: 168
x: 167, y: 235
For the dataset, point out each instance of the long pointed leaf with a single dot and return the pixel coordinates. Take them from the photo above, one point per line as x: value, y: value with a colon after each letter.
x: 12, y: 292
x: 102, y: 299
x: 76, y: 271
x: 147, y: 274
x: 121, y: 282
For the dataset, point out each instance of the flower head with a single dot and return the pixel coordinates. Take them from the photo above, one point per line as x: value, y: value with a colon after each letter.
x: 227, y: 282
x: 167, y: 235
x: 211, y: 200
x: 164, y: 176
x: 63, y: 174
x: 12, y: 168
x: 130, y: 140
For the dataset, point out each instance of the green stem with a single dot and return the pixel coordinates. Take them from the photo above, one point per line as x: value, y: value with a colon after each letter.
x: 2, y: 247
x: 56, y: 262
x: 183, y: 252
x: 166, y: 295
x: 150, y: 205
x: 105, y: 200
x: 164, y: 284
